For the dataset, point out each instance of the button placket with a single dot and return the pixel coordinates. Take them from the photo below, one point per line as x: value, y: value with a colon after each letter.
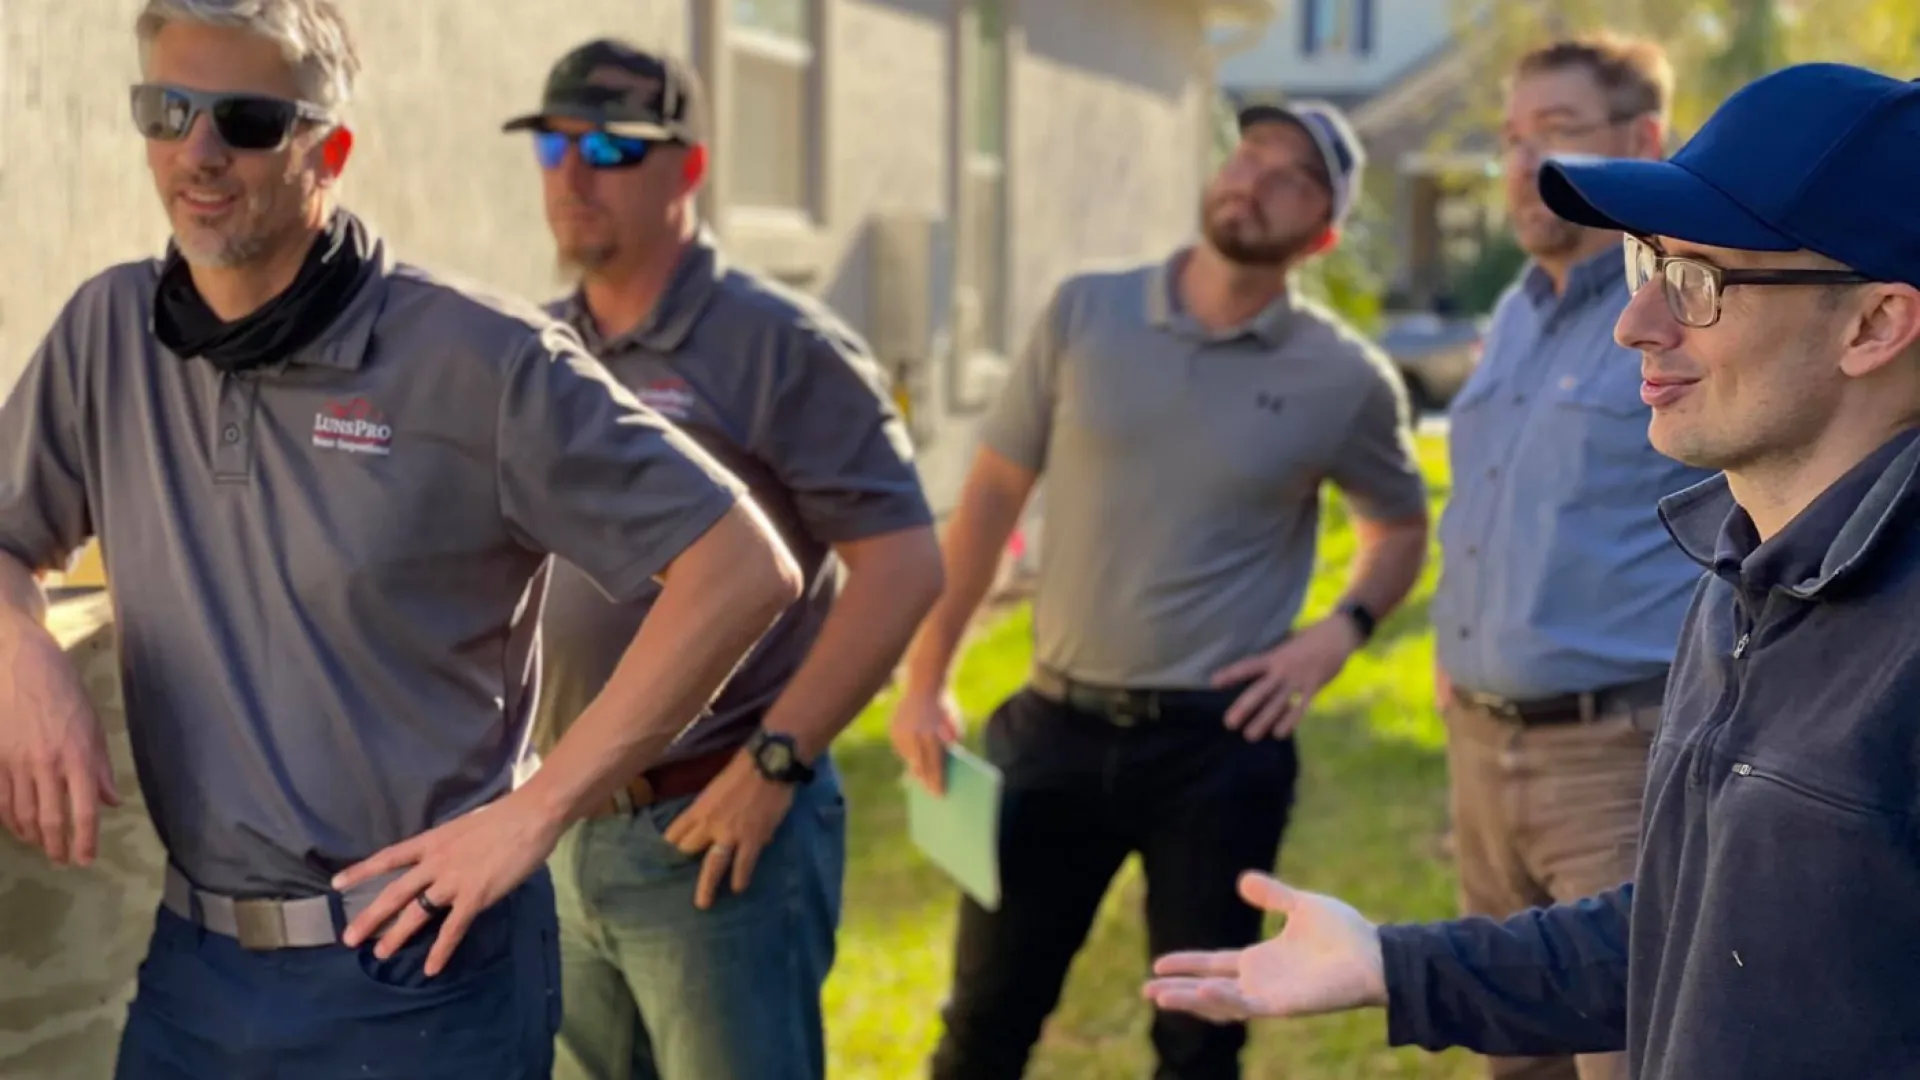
x: 233, y: 430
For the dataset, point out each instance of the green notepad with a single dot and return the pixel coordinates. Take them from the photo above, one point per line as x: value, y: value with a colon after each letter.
x: 960, y: 831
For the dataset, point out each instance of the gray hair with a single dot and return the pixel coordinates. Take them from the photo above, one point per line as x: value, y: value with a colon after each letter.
x: 311, y: 34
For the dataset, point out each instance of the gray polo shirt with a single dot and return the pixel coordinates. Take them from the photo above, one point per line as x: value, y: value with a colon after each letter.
x: 1183, y: 471
x: 316, y: 566
x: 777, y: 389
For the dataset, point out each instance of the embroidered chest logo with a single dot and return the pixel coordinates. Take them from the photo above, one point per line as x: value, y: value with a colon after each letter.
x: 1270, y: 402
x: 354, y: 426
x: 671, y: 398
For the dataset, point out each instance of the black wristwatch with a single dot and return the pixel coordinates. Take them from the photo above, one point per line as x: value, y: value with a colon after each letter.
x: 1363, y: 619
x: 778, y: 758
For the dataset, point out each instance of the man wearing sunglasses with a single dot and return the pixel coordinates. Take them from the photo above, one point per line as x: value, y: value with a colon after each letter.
x: 1560, y: 596
x: 323, y: 481
x: 1768, y: 933
x: 698, y: 909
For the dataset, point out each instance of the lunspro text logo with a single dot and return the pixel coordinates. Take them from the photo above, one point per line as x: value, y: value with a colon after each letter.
x: 671, y: 398
x: 354, y: 426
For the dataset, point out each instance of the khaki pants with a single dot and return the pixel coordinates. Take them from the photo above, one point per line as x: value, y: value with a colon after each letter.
x: 1545, y: 814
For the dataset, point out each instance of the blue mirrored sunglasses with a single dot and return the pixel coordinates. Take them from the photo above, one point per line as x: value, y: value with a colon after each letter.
x: 598, y: 149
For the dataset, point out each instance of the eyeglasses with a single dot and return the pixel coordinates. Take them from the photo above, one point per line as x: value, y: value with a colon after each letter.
x: 599, y: 149
x: 253, y: 122
x: 1693, y: 286
x: 1560, y: 137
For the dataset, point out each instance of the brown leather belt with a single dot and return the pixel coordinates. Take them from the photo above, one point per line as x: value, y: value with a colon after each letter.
x: 1583, y: 708
x: 673, y: 780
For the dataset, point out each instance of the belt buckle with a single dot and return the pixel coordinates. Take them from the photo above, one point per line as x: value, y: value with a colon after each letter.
x: 260, y: 924
x: 1498, y: 706
x: 1124, y: 714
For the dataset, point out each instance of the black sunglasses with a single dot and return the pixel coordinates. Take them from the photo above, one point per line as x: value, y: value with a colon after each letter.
x: 599, y: 149
x: 1693, y: 287
x: 243, y: 121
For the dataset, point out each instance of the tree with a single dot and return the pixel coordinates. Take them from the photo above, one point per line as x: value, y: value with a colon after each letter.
x: 1715, y: 46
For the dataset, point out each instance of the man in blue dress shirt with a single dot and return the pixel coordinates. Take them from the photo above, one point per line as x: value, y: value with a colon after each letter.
x: 1561, y: 595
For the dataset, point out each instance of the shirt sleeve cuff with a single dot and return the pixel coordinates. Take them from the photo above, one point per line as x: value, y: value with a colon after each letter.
x: 860, y: 519
x: 631, y: 581
x: 1020, y: 450
x: 1400, y: 507
x: 1410, y: 1020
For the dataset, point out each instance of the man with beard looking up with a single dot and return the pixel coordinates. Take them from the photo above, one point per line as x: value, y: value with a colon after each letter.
x: 1186, y: 413
x: 1561, y: 595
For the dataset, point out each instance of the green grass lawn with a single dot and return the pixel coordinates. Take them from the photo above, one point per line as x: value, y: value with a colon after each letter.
x: 1368, y: 828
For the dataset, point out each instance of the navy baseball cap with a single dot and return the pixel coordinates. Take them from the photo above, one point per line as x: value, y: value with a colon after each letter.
x: 1821, y: 157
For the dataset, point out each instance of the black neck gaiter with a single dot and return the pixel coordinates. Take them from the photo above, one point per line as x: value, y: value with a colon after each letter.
x: 336, y: 266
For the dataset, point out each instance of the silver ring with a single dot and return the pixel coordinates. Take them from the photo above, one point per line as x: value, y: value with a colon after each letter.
x: 724, y: 849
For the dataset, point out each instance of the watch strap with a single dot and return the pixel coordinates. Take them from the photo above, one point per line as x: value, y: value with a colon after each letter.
x: 1363, y: 620
x: 795, y: 770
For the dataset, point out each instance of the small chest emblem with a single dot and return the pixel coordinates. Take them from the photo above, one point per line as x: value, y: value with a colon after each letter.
x: 353, y: 426
x: 1269, y: 402
x: 671, y: 398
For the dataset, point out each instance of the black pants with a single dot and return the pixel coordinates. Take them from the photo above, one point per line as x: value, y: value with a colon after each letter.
x: 1198, y: 803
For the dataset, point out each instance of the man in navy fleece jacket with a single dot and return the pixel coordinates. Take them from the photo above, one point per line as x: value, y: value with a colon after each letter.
x: 1773, y: 927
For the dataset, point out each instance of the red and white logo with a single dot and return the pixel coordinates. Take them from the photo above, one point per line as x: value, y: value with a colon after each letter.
x: 671, y: 398
x: 354, y: 426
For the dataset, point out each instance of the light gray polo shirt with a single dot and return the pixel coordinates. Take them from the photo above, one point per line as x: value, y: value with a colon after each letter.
x: 1183, y: 471
x: 788, y: 398
x: 316, y: 566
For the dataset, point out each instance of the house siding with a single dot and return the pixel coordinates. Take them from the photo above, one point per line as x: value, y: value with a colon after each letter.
x: 1402, y: 33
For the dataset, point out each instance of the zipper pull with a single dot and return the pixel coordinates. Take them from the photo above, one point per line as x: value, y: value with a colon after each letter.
x: 1740, y: 647
x: 1742, y: 769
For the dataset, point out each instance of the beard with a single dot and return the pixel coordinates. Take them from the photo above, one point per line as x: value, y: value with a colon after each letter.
x: 241, y: 234
x: 576, y: 260
x: 1249, y: 240
x: 584, y: 241
x: 1544, y: 234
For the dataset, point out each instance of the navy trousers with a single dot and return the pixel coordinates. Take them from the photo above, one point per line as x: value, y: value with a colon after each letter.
x: 207, y: 1009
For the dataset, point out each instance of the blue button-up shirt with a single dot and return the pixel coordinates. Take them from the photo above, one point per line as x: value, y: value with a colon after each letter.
x: 1557, y: 575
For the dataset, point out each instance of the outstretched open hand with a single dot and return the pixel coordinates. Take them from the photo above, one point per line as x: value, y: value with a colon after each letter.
x: 1326, y: 959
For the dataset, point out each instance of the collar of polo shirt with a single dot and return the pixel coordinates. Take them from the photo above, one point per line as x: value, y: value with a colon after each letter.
x: 1270, y: 326
x: 695, y: 279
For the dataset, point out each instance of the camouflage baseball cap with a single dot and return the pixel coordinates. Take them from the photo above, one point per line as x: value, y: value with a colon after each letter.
x: 625, y: 90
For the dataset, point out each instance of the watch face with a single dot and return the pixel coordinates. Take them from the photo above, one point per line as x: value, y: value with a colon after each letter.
x: 776, y: 757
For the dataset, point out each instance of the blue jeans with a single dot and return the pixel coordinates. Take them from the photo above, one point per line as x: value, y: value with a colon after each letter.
x: 207, y: 1009
x: 657, y: 989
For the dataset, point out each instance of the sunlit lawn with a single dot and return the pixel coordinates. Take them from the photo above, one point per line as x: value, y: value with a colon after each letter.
x: 1368, y: 829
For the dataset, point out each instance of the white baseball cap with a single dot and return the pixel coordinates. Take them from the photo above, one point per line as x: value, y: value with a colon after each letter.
x: 1340, y: 149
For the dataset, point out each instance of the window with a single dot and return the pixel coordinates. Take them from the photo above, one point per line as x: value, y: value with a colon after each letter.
x: 1336, y: 26
x: 772, y: 104
x: 983, y: 254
